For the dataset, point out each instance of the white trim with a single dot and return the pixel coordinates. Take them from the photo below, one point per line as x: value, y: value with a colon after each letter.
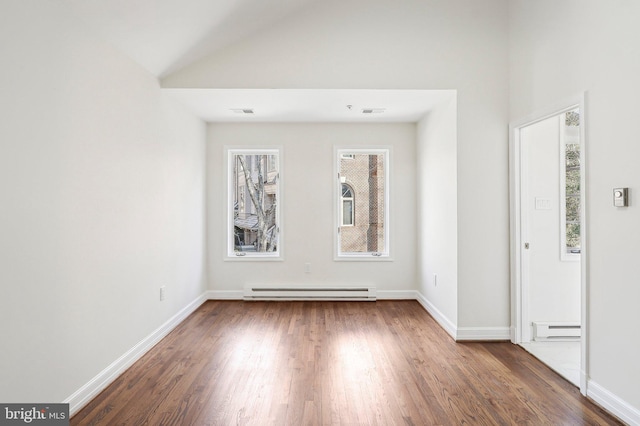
x: 382, y: 255
x: 517, y: 241
x: 461, y: 334
x: 616, y: 406
x: 482, y: 333
x: 564, y: 256
x: 351, y: 199
x: 381, y: 295
x: 91, y: 389
x: 229, y: 185
x: 440, y: 318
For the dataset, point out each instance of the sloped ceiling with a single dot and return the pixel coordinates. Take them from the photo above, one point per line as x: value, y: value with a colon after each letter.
x: 164, y: 36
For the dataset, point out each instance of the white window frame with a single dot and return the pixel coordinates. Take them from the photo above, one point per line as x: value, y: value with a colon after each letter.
x: 345, y: 152
x: 230, y: 253
x: 564, y: 255
x: 353, y: 206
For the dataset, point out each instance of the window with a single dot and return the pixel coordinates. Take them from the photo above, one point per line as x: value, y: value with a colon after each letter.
x: 253, y: 206
x: 347, y: 205
x: 363, y: 204
x: 570, y: 185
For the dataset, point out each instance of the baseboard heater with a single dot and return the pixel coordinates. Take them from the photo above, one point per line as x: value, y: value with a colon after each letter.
x: 359, y: 293
x: 556, y: 331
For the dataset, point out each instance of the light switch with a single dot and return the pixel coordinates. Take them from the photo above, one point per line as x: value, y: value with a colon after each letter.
x: 621, y: 197
x: 543, y: 203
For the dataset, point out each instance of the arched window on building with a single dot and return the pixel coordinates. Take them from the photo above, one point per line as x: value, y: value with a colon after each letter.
x: 347, y: 205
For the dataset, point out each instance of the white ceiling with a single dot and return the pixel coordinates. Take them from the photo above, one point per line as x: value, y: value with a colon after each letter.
x: 295, y: 105
x: 166, y: 35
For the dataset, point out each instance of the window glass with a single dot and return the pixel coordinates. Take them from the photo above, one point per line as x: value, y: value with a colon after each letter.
x: 347, y: 205
x: 254, y: 179
x: 363, y: 204
x: 571, y: 182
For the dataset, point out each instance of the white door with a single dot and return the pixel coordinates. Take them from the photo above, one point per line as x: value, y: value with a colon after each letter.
x: 547, y: 208
x: 551, y: 282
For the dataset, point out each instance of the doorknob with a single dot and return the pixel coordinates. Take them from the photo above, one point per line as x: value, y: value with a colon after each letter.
x: 526, y: 246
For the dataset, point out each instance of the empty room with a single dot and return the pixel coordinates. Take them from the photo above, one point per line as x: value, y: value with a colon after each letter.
x: 319, y: 212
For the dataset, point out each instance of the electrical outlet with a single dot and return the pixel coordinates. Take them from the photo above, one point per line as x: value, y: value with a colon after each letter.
x: 162, y: 293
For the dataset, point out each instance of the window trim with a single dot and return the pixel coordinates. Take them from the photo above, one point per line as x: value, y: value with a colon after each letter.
x: 230, y: 185
x: 352, y: 199
x: 340, y: 153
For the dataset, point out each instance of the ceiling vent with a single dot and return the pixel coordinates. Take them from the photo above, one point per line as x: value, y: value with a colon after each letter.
x: 373, y: 110
x: 242, y: 110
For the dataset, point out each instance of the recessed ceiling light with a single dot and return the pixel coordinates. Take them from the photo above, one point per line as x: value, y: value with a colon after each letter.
x: 242, y: 110
x: 373, y: 110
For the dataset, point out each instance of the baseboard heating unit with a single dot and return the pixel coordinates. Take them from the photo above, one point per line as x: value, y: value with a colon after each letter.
x: 547, y: 331
x: 359, y: 293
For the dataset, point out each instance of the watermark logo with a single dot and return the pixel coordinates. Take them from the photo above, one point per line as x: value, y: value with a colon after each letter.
x: 34, y: 414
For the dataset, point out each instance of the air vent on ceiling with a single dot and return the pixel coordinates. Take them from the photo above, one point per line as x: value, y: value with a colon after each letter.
x: 242, y: 110
x: 373, y: 110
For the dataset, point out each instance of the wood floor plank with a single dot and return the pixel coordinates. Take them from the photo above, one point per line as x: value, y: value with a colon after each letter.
x: 338, y: 363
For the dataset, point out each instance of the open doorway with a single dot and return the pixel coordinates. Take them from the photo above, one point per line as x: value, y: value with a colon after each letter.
x: 548, y: 280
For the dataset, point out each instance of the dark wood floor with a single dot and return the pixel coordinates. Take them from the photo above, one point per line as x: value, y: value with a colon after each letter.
x: 349, y: 363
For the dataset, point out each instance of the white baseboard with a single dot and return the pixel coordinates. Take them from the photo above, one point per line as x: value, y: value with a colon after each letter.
x: 381, y: 295
x: 483, y: 333
x: 96, y: 385
x: 610, y: 402
x: 440, y: 318
x: 86, y: 393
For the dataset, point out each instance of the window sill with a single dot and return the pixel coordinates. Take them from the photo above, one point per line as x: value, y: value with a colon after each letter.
x: 368, y: 257
x: 254, y: 258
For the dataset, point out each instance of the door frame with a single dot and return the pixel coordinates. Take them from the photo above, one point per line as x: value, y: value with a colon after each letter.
x: 518, y: 267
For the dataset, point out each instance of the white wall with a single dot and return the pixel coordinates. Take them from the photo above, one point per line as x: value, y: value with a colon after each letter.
x: 554, y: 284
x: 437, y: 180
x: 102, y: 183
x: 558, y: 49
x: 425, y: 44
x: 307, y: 204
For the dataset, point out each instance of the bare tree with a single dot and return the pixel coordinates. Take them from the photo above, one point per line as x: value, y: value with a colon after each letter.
x: 266, y: 241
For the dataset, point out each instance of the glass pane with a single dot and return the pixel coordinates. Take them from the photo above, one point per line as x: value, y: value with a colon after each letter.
x: 255, y: 203
x: 573, y: 236
x: 573, y: 209
x: 347, y: 212
x: 364, y: 173
x: 573, y: 182
x: 572, y: 155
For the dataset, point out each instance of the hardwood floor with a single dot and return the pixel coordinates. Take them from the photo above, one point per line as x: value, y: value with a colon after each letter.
x: 349, y: 363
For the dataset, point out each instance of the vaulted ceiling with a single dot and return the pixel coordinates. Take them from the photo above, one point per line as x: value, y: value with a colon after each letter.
x: 164, y: 36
